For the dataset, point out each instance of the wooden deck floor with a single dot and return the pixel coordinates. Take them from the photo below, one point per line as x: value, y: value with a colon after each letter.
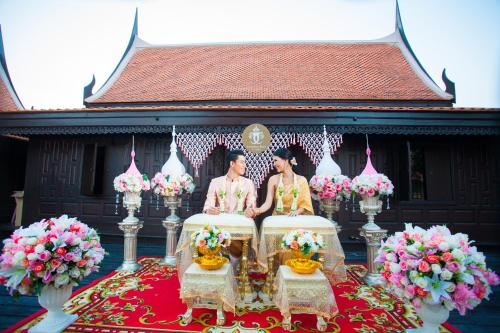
x: 485, y: 318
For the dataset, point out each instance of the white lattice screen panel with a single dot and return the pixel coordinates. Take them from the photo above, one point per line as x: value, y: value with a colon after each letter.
x: 312, y: 143
x: 197, y: 146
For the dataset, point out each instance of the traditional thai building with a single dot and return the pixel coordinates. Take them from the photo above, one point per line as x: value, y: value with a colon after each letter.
x: 443, y: 160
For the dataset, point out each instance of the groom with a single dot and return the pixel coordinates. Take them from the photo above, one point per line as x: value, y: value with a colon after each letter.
x: 231, y: 193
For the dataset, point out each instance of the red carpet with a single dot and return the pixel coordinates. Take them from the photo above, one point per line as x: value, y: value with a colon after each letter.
x: 148, y: 301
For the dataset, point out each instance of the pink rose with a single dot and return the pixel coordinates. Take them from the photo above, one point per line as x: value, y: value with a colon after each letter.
x: 410, y: 289
x: 447, y: 256
x: 45, y: 255
x: 453, y: 267
x: 423, y: 266
x: 361, y: 190
x: 371, y: 192
x: 69, y: 256
x: 403, y: 265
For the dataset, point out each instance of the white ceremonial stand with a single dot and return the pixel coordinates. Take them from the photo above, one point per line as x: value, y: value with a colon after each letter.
x: 130, y: 227
x: 373, y: 238
x: 171, y: 224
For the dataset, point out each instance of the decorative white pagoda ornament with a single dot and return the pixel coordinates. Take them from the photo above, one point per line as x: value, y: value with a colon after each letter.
x: 131, y: 183
x: 329, y: 186
x: 171, y: 183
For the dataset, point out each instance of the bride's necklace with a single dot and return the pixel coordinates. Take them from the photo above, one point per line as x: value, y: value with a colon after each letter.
x: 280, y: 190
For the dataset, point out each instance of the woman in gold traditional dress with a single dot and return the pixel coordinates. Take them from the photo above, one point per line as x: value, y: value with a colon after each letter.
x: 290, y: 191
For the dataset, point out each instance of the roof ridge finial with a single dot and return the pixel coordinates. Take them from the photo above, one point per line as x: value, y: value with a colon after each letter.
x: 135, y: 29
x: 399, y: 22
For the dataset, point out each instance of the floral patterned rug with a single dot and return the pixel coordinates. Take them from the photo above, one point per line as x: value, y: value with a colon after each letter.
x: 147, y: 301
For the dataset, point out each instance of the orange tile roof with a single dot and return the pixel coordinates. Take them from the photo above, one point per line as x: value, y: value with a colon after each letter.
x: 6, y: 101
x: 307, y: 71
x: 262, y: 108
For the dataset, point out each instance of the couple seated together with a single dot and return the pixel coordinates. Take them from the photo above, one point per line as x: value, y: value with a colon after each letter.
x: 234, y: 193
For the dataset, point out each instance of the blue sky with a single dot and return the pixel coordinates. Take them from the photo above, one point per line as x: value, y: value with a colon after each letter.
x: 53, y: 47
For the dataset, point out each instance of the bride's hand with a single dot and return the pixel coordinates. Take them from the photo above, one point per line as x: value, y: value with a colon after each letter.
x: 250, y: 212
x: 296, y: 213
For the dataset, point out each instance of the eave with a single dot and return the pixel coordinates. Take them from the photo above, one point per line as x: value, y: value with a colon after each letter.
x: 422, y: 121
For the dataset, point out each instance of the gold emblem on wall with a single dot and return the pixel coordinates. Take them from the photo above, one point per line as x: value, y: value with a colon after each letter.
x: 256, y: 138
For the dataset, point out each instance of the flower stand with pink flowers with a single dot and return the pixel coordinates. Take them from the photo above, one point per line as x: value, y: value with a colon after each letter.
x: 436, y: 272
x: 48, y: 258
x: 131, y: 183
x: 370, y: 186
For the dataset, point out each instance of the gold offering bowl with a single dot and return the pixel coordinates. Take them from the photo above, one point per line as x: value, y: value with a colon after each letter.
x: 211, y: 262
x: 211, y: 259
x: 303, y: 266
x: 206, y: 251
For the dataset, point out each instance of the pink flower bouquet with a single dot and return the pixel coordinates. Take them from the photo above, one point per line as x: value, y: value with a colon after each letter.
x: 435, y: 267
x: 336, y: 187
x: 131, y: 183
x: 57, y: 251
x: 168, y: 185
x: 372, y: 185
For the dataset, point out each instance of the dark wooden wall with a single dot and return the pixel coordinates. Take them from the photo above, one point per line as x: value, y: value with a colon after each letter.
x: 462, y: 181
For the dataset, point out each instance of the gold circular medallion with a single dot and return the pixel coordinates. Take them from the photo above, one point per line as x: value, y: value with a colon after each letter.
x: 256, y: 138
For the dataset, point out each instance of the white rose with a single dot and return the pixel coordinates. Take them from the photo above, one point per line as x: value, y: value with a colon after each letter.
x: 412, y: 249
x: 301, y: 241
x: 31, y: 241
x: 61, y: 280
x: 446, y: 274
x: 62, y: 268
x: 394, y: 267
x: 421, y: 282
x: 436, y: 268
x: 458, y: 254
x: 74, y: 272
x: 404, y: 281
x: 450, y: 287
x: 32, y: 256
x: 444, y: 246
x: 39, y: 248
x: 413, y: 275
x: 90, y: 263
x: 76, y: 241
x: 391, y: 257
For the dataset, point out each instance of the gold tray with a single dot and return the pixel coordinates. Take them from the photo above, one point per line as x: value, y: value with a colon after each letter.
x: 303, y: 266
x: 211, y: 262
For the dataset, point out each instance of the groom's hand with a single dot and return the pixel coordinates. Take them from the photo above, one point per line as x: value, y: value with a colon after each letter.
x: 213, y: 210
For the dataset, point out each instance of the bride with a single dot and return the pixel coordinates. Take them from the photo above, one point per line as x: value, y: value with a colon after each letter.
x: 290, y: 191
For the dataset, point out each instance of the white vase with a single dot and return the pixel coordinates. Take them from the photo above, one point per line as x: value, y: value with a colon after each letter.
x: 432, y: 317
x: 53, y: 299
x: 132, y: 202
x: 370, y: 206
